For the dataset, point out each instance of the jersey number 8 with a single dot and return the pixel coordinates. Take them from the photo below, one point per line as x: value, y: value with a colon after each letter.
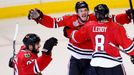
x: 99, y: 40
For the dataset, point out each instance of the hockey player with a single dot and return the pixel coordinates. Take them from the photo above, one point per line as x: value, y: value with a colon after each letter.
x: 81, y: 53
x: 27, y: 62
x: 103, y: 34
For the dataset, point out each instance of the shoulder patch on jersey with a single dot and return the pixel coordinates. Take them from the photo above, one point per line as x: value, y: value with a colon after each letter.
x: 27, y: 55
x: 68, y: 15
x: 75, y: 23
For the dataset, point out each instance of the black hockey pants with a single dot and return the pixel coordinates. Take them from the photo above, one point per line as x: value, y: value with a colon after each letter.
x: 81, y: 67
x: 117, y: 70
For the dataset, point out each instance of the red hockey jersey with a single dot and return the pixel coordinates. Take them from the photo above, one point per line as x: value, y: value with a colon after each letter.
x: 81, y: 50
x: 27, y: 63
x: 101, y: 35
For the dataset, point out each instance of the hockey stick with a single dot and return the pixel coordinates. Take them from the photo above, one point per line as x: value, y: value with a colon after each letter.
x: 14, y: 42
x: 131, y: 7
x: 118, y: 48
x: 14, y: 39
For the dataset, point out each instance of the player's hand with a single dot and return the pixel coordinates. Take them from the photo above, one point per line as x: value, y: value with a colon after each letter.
x: 66, y: 28
x: 11, y: 63
x: 49, y: 44
x: 132, y: 59
x: 35, y: 14
x: 129, y: 13
x: 67, y: 31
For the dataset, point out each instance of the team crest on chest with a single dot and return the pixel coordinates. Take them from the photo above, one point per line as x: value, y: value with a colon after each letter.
x: 27, y: 55
x: 75, y: 23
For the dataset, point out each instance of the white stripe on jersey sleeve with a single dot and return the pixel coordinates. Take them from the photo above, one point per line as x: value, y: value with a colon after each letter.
x: 55, y: 25
x: 72, y: 36
x: 36, y: 68
x: 16, y: 70
x: 130, y: 48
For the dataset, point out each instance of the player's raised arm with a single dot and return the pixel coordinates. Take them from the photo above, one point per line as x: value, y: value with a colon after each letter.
x: 46, y: 20
x: 123, y: 18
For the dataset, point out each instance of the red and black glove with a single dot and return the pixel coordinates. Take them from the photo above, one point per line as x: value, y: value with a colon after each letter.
x: 11, y: 62
x: 67, y: 31
x: 35, y: 14
x: 49, y: 44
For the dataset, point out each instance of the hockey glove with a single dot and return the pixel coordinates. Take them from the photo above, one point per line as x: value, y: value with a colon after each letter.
x: 129, y: 13
x: 67, y: 32
x: 49, y: 44
x: 132, y: 59
x: 11, y: 63
x: 35, y: 14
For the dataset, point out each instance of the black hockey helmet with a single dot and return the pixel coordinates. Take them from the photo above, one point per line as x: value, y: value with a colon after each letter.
x: 101, y: 12
x: 31, y: 39
x: 81, y: 4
